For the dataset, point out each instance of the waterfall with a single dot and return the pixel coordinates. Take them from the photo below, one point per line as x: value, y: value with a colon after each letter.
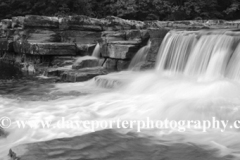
x: 200, y: 53
x: 140, y: 56
x: 96, y: 51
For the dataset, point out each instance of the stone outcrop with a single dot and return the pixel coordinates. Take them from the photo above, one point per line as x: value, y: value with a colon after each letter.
x: 111, y: 145
x: 40, y: 41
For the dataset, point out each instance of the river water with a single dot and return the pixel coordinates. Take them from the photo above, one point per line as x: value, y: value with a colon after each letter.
x: 196, y: 78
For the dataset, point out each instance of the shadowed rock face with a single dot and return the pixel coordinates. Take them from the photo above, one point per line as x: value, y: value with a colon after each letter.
x: 110, y: 145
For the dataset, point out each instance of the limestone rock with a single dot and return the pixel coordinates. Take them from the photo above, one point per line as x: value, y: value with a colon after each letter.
x: 110, y: 36
x: 110, y: 64
x: 61, y: 61
x: 35, y: 21
x: 82, y: 23
x: 80, y: 37
x: 122, y: 65
x: 155, y: 45
x: 119, y: 50
x: 57, y: 49
x: 82, y: 74
x: 85, y: 62
x: 38, y: 35
x: 85, y: 49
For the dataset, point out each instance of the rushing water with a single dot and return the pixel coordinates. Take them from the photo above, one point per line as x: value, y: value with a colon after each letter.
x: 96, y: 51
x: 140, y: 56
x: 196, y: 78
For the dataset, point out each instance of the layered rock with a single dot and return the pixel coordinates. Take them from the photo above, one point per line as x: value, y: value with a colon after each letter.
x: 38, y: 40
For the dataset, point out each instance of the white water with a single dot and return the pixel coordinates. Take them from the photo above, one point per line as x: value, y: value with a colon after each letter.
x: 140, y: 56
x: 184, y: 95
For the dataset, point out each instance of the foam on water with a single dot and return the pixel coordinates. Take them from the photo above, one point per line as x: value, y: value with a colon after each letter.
x: 170, y: 92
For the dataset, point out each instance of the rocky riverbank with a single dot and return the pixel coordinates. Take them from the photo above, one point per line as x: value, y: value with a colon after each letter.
x: 53, y: 45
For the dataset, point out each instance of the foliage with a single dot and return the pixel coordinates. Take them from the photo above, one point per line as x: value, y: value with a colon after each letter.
x: 129, y: 9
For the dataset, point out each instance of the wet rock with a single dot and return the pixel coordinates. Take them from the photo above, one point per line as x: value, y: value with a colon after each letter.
x: 57, y: 49
x: 61, y: 61
x: 122, y: 65
x: 110, y: 64
x: 155, y: 45
x: 85, y: 62
x: 111, y: 145
x: 82, y: 74
x: 85, y: 49
x: 58, y: 71
x: 144, y: 66
x: 157, y: 33
x: 120, y: 50
x: 35, y: 21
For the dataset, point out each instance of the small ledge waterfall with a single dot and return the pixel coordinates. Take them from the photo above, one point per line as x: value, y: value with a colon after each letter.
x: 96, y: 51
x: 140, y: 56
x: 200, y: 53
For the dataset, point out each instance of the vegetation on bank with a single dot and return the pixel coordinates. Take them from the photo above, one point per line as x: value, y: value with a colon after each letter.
x: 129, y: 9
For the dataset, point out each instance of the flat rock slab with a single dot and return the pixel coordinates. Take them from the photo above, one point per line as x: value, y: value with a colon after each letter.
x: 82, y: 74
x: 111, y: 145
x: 63, y: 49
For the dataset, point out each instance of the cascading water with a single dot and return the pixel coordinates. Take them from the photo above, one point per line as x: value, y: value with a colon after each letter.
x: 140, y: 56
x: 200, y: 53
x: 96, y: 51
x: 154, y: 94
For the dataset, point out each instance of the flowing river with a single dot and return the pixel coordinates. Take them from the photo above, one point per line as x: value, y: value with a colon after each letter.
x: 196, y: 78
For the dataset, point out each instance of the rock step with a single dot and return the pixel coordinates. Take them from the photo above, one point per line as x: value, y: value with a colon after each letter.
x: 50, y: 48
x: 112, y: 145
x: 82, y: 74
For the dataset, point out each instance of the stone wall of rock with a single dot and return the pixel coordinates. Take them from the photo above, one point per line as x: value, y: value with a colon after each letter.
x: 59, y: 41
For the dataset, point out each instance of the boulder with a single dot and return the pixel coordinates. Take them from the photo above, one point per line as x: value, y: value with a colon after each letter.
x: 63, y: 49
x: 112, y: 145
x: 85, y: 62
x: 35, y: 21
x: 82, y: 74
